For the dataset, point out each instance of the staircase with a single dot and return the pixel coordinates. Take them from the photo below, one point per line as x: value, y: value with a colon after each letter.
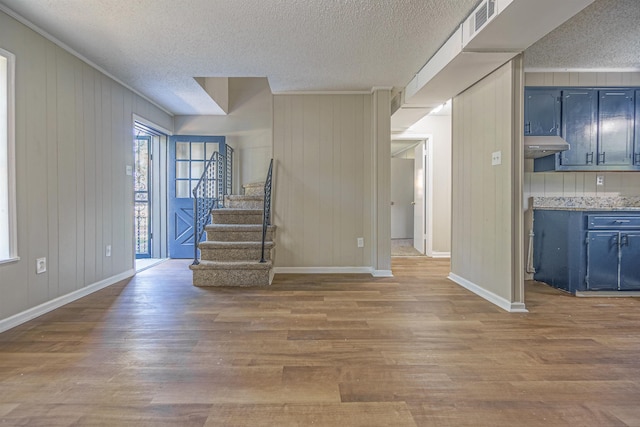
x: 230, y: 256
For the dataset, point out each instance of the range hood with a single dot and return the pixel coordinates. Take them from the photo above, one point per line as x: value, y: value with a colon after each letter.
x: 541, y: 146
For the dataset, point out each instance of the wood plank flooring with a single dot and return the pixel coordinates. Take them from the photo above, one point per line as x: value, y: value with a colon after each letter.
x: 325, y: 350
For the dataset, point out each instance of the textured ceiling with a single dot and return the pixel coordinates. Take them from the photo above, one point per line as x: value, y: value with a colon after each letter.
x: 157, y: 47
x: 605, y: 35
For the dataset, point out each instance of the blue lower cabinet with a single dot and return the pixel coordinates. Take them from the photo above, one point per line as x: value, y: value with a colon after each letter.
x: 629, y: 261
x: 559, y: 256
x: 587, y: 251
x: 602, y: 260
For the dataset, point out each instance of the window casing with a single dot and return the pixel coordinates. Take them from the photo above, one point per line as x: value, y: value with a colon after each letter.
x: 8, y: 226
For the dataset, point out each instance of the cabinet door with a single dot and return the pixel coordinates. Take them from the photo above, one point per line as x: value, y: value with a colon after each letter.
x: 578, y: 127
x: 542, y: 112
x: 630, y: 260
x: 602, y: 260
x: 615, y: 127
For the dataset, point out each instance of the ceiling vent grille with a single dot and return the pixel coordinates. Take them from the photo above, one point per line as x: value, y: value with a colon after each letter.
x: 396, y: 102
x: 482, y: 15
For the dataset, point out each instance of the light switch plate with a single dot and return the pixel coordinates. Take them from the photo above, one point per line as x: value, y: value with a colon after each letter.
x: 107, y: 250
x: 129, y: 170
x: 360, y: 242
x: 41, y: 265
x: 496, y: 158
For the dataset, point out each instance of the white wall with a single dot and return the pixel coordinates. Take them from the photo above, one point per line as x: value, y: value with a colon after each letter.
x: 323, y: 180
x: 73, y: 141
x: 248, y: 128
x: 486, y: 246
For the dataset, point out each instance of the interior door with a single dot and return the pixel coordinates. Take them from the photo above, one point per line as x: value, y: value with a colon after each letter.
x: 402, y: 198
x: 419, y: 186
x: 187, y: 159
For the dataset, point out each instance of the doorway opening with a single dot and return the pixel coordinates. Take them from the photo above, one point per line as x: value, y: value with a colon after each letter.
x: 149, y: 195
x: 408, y: 200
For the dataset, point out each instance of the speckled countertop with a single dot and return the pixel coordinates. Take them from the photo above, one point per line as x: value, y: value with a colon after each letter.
x: 610, y: 203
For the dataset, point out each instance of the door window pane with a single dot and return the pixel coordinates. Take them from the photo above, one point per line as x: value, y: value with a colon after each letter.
x: 196, y: 170
x: 183, y: 189
x: 182, y: 150
x: 197, y: 151
x: 211, y: 148
x: 182, y: 170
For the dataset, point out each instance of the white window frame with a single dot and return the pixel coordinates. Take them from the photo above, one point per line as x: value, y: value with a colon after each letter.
x: 8, y: 218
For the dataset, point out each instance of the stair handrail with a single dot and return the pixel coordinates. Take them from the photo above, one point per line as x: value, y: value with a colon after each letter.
x: 266, y: 211
x: 208, y: 194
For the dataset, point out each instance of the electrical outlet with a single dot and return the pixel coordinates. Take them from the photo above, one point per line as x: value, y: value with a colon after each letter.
x: 496, y: 158
x: 600, y: 180
x: 360, y: 241
x: 107, y: 250
x: 41, y: 265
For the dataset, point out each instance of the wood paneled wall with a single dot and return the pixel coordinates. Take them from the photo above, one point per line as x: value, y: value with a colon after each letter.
x: 73, y: 142
x: 483, y: 226
x: 323, y: 180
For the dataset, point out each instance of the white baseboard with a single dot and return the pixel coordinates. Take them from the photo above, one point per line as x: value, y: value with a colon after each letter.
x: 382, y: 273
x: 323, y: 270
x: 441, y: 255
x: 332, y: 270
x: 511, y: 307
x: 39, y: 310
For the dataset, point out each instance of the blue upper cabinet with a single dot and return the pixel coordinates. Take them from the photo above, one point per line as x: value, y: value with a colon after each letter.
x: 602, y: 126
x: 579, y: 127
x: 542, y: 112
x: 615, y: 133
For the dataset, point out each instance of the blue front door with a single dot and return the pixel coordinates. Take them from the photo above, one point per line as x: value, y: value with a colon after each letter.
x: 187, y: 159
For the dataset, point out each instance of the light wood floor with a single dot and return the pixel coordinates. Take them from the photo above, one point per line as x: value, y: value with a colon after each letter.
x: 323, y: 350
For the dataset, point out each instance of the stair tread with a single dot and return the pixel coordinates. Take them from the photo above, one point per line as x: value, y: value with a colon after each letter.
x: 245, y: 197
x: 232, y: 265
x: 238, y: 210
x: 239, y: 227
x: 234, y: 244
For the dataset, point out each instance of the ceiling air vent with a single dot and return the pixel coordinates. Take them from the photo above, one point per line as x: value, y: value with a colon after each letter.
x: 396, y: 102
x: 481, y: 16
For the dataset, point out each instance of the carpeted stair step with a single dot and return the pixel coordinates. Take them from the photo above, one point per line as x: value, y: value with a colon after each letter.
x: 232, y: 273
x: 236, y: 216
x: 234, y: 251
x: 254, y: 189
x: 244, y: 202
x: 238, y: 232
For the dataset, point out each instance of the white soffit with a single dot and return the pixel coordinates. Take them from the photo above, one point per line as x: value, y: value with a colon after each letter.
x: 520, y: 23
x: 462, y: 60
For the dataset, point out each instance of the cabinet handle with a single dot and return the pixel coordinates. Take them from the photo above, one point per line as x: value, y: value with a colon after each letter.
x: 589, y: 160
x: 622, y: 221
x: 624, y: 240
x: 602, y: 158
x: 636, y: 158
x: 527, y: 127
